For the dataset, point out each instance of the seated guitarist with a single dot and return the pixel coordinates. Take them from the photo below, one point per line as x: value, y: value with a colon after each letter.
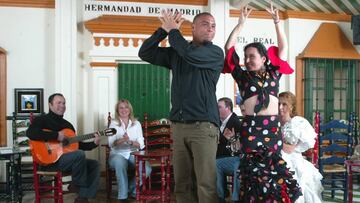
x: 85, y: 172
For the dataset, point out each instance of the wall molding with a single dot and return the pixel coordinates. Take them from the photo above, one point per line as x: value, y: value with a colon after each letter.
x: 28, y: 3
x: 103, y: 64
x: 186, y: 2
x: 129, y: 25
x: 296, y: 14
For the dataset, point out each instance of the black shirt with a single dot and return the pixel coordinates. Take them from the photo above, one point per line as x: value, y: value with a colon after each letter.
x: 195, y: 69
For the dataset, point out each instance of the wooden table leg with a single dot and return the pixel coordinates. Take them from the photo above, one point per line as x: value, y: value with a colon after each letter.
x: 168, y: 178
x: 137, y: 173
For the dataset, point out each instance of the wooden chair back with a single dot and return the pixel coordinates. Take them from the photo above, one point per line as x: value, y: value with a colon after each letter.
x: 335, y: 147
x: 157, y: 134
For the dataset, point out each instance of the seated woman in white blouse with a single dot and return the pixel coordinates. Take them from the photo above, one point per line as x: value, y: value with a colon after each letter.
x: 128, y: 138
x: 299, y: 136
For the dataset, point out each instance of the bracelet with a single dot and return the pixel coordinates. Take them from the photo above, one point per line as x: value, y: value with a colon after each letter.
x: 276, y: 22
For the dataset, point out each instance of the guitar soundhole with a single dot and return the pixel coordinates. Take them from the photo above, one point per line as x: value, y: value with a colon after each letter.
x: 65, y: 142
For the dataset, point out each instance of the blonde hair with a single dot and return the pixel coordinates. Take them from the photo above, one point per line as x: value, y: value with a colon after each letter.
x: 291, y: 100
x: 128, y: 105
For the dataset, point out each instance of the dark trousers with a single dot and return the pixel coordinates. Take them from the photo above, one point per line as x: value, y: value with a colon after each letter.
x: 85, y: 173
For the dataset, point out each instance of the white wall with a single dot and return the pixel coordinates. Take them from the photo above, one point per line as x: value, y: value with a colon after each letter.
x: 27, y: 34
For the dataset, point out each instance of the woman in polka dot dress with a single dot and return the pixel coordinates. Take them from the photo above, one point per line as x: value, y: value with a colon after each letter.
x: 264, y: 175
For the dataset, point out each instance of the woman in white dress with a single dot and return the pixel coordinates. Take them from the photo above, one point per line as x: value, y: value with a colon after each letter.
x: 299, y: 136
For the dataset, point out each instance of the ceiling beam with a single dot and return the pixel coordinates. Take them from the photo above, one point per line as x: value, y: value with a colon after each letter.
x: 350, y: 7
x: 303, y: 4
x: 335, y: 6
x: 290, y: 5
x: 321, y: 7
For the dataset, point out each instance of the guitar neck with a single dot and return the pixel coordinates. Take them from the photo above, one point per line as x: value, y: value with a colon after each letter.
x: 80, y: 138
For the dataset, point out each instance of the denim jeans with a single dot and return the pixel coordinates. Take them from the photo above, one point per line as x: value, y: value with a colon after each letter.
x: 227, y: 166
x: 121, y: 165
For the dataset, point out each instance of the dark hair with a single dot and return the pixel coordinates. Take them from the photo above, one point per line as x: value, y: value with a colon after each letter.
x: 228, y: 102
x: 261, y: 49
x: 201, y: 14
x: 51, y: 98
x: 291, y: 101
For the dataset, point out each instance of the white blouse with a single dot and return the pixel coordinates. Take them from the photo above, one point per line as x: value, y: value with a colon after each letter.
x: 300, y: 132
x: 133, y: 130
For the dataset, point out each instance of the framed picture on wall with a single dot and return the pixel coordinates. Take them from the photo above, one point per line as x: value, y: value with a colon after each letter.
x: 29, y: 100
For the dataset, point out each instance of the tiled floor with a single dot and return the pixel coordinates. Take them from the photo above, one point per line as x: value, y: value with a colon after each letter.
x: 29, y: 197
x: 339, y: 196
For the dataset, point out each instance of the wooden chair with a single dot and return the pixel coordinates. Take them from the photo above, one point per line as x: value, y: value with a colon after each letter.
x: 157, y: 135
x: 335, y: 146
x: 312, y: 155
x: 48, y: 184
x: 158, y: 152
x: 110, y: 176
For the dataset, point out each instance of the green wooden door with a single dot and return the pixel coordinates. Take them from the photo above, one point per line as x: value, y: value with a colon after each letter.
x: 147, y: 87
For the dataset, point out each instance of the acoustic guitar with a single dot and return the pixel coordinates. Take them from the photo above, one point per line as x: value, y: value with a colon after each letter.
x: 48, y: 152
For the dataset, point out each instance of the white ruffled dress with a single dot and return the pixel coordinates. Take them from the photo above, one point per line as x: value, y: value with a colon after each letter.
x: 299, y: 131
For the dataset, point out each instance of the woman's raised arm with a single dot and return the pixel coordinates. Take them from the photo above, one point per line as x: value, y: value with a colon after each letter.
x: 280, y: 34
x: 231, y: 41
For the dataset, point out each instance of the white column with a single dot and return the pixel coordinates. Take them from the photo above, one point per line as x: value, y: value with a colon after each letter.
x: 66, y: 54
x: 219, y: 9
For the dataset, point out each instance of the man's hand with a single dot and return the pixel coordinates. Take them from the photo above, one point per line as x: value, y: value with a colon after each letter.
x: 229, y: 133
x: 97, y: 138
x: 170, y: 21
x: 61, y: 136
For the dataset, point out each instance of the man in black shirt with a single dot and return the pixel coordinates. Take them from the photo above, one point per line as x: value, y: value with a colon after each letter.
x: 196, y: 68
x: 226, y: 163
x: 85, y: 172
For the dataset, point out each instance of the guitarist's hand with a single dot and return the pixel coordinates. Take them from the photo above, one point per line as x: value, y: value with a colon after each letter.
x: 61, y: 136
x: 97, y: 138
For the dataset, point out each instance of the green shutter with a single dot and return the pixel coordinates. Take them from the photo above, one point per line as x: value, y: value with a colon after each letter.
x: 147, y: 87
x: 330, y: 88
